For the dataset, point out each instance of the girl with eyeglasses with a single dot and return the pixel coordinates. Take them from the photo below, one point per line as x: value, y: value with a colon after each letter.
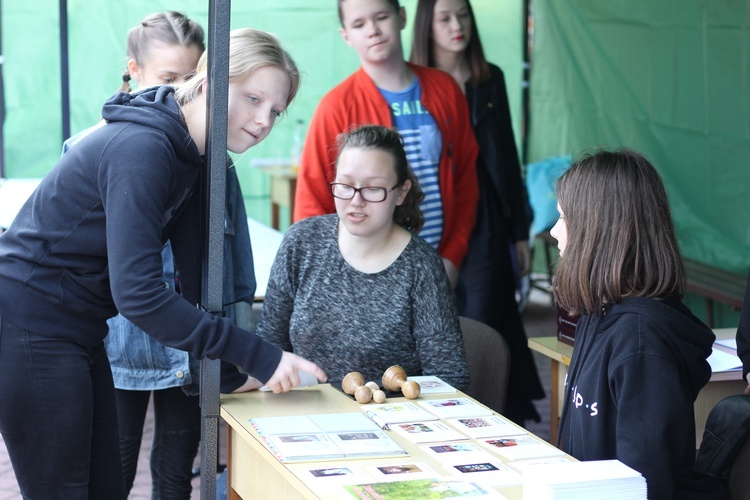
x: 358, y: 290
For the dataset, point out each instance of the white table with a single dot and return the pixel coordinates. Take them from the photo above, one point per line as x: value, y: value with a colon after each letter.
x: 13, y: 194
x: 265, y: 240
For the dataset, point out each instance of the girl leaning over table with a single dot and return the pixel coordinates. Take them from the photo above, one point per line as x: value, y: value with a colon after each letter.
x: 88, y: 244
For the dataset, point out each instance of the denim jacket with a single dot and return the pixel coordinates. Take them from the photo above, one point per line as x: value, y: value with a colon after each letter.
x: 141, y: 363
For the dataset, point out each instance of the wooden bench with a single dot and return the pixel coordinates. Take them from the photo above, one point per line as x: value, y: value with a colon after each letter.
x: 715, y: 285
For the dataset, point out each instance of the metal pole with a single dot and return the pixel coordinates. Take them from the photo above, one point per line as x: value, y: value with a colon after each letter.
x: 64, y: 70
x: 528, y: 46
x: 219, y: 15
x: 2, y: 99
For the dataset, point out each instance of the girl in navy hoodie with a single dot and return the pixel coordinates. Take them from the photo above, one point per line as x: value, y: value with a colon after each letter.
x: 87, y: 245
x: 639, y: 359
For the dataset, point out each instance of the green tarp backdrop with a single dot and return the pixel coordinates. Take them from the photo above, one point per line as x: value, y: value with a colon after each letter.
x: 667, y: 77
x: 97, y: 36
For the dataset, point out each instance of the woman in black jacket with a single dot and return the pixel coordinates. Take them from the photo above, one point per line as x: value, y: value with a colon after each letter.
x: 446, y: 37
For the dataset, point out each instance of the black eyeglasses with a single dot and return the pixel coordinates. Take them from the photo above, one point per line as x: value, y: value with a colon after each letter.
x: 368, y: 193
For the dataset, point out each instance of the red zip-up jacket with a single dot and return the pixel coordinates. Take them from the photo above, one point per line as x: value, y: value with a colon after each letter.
x: 357, y: 101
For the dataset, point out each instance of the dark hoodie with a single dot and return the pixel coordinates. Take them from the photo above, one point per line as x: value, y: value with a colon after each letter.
x: 634, y: 375
x: 88, y: 241
x: 743, y: 332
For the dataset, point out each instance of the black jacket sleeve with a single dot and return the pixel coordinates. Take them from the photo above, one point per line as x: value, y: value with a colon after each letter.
x: 743, y: 332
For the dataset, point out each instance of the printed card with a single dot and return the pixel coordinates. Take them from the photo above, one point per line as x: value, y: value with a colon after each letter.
x: 421, y: 488
x: 520, y: 447
x: 457, y: 452
x: 396, y: 413
x: 479, y: 427
x: 327, y: 479
x: 430, y: 384
x: 427, y: 432
x: 402, y: 471
x: 455, y: 407
x: 490, y: 472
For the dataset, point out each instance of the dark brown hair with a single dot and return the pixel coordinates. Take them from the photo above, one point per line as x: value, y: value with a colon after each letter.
x: 620, y: 236
x: 394, y: 3
x: 388, y: 140
x: 422, y: 52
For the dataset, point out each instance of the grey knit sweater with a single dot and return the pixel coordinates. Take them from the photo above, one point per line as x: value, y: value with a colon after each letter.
x: 345, y: 320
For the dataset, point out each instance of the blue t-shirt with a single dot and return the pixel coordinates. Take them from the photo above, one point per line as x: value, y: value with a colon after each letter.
x: 423, y: 144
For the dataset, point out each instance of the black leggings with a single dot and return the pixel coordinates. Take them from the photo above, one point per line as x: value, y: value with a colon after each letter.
x: 177, y: 435
x: 57, y: 416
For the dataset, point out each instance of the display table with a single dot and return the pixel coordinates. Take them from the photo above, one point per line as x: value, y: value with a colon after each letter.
x: 722, y: 383
x: 254, y: 471
x: 13, y: 194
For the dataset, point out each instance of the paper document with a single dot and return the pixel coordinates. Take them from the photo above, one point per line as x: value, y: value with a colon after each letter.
x: 721, y: 361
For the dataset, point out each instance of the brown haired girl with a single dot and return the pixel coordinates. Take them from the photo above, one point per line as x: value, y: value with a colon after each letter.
x: 358, y: 290
x: 639, y: 359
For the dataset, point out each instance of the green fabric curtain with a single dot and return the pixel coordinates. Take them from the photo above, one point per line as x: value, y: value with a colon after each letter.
x: 666, y: 77
x: 669, y: 78
x: 98, y: 30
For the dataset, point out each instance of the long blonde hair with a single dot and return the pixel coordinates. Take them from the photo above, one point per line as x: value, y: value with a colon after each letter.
x: 249, y: 50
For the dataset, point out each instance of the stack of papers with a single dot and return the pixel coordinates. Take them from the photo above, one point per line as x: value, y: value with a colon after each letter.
x: 583, y: 480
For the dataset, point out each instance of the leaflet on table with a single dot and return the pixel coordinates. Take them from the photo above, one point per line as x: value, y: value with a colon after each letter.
x: 436, y: 488
x: 455, y: 407
x: 430, y: 384
x: 389, y: 472
x: 492, y: 472
x: 488, y: 426
x: 427, y: 432
x: 326, y: 436
x: 396, y: 413
x: 463, y: 452
x: 519, y: 447
x: 326, y: 479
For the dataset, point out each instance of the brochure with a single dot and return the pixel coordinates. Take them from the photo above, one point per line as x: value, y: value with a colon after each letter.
x: 520, y: 447
x: 427, y: 432
x: 322, y: 437
x: 454, y: 408
x: 492, y: 472
x: 421, y: 488
x: 401, y: 471
x: 430, y: 384
x: 458, y: 452
x: 396, y: 413
x: 479, y: 427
